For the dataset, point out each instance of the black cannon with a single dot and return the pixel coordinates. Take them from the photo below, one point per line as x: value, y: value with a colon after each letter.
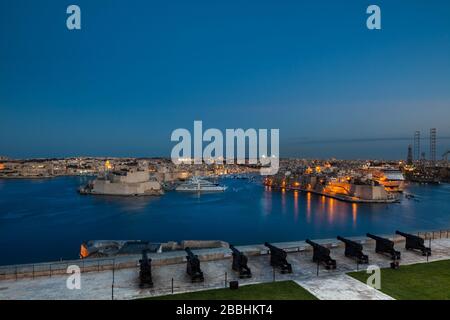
x: 386, y: 246
x: 415, y: 243
x: 354, y: 249
x: 145, y: 271
x: 322, y: 255
x: 240, y: 263
x: 193, y: 266
x: 278, y: 258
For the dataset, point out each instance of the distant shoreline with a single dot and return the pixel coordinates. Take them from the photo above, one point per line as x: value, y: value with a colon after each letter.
x: 31, y: 178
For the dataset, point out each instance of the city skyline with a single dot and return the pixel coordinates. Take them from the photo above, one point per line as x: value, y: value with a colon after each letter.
x: 136, y: 72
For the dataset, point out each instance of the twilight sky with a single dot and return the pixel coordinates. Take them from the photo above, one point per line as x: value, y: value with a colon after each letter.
x: 140, y: 69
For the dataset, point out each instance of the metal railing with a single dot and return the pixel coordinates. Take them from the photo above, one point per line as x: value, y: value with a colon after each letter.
x: 19, y: 271
x: 434, y: 234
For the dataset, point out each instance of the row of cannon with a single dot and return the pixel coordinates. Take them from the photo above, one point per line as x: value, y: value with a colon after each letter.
x: 278, y: 257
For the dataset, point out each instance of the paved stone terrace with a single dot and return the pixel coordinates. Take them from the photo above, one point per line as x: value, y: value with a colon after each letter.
x: 341, y: 287
x: 330, y: 284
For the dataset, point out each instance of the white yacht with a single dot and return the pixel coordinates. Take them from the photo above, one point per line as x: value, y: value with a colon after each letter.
x: 196, y: 184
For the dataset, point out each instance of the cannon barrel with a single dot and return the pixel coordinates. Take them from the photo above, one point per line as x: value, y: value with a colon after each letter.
x: 233, y: 248
x: 314, y: 244
x: 373, y: 236
x: 402, y: 233
x: 317, y: 246
x: 407, y: 235
x: 346, y: 241
x: 350, y: 242
x: 144, y: 255
x: 275, y: 250
x: 381, y: 241
x: 268, y: 245
x: 377, y: 238
x: 189, y: 252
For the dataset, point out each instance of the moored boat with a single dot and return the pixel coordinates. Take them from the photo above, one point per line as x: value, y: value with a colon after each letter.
x: 195, y: 184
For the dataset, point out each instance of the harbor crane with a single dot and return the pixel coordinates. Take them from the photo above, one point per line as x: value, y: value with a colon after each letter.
x: 445, y: 156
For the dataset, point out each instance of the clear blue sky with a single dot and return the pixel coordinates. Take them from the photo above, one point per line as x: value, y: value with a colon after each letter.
x: 139, y: 69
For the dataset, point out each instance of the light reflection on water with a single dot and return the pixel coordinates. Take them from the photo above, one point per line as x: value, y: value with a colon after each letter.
x: 47, y: 219
x: 295, y: 205
x: 354, y: 213
x: 308, y: 207
x: 283, y: 200
x: 267, y: 200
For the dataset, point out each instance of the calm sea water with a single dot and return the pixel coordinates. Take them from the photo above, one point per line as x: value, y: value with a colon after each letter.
x: 43, y: 220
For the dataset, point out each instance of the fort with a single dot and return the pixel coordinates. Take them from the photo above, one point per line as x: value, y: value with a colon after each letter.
x: 123, y: 183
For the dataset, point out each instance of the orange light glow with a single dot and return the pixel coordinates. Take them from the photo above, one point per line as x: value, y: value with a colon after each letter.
x: 184, y: 175
x: 108, y: 165
x: 84, y: 252
x: 2, y: 166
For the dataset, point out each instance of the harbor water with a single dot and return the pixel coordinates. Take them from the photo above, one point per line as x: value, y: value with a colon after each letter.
x: 47, y: 220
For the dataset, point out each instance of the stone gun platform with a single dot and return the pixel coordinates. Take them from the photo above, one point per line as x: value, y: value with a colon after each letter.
x: 169, y: 272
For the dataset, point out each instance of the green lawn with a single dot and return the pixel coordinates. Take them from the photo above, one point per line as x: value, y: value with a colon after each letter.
x: 283, y: 290
x: 423, y: 281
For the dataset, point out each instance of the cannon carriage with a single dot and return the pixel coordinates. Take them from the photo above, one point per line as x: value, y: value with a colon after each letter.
x: 321, y: 254
x: 240, y: 263
x: 193, y: 266
x: 386, y: 247
x: 414, y: 242
x: 278, y: 259
x: 145, y: 271
x: 354, y: 250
